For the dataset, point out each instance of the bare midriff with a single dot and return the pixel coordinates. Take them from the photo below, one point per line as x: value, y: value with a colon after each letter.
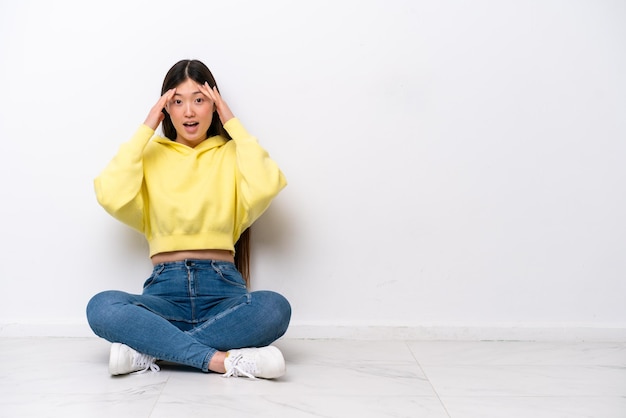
x: 220, y: 255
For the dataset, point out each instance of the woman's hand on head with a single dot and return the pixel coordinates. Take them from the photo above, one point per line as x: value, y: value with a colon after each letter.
x: 156, y: 115
x: 222, y: 108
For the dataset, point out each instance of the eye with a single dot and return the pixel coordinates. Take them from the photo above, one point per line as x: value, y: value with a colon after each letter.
x: 199, y: 100
x: 177, y: 101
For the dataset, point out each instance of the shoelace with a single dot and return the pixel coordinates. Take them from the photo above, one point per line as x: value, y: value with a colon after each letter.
x: 145, y: 362
x: 238, y: 370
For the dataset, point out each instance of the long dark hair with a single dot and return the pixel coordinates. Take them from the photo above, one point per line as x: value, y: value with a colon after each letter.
x: 200, y: 73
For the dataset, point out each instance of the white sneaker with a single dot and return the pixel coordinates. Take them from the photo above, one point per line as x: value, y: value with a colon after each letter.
x: 265, y: 362
x: 124, y: 360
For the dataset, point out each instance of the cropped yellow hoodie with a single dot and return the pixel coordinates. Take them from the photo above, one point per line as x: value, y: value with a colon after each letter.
x: 184, y: 198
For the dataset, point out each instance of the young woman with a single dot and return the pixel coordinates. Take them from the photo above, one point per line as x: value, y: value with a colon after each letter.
x: 193, y: 193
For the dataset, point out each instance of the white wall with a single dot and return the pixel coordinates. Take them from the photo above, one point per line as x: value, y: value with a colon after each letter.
x: 451, y: 164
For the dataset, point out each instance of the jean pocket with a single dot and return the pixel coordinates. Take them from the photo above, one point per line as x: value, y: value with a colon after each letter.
x: 228, y: 273
x: 156, y: 272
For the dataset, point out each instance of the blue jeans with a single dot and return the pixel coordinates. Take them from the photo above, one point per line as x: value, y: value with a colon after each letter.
x: 188, y: 311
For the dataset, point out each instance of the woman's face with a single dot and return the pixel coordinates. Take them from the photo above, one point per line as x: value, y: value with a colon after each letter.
x: 191, y: 113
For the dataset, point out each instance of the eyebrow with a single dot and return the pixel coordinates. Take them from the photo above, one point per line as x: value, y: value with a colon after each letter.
x: 193, y: 93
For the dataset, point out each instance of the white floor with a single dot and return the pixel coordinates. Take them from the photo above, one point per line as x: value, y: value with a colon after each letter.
x: 67, y: 377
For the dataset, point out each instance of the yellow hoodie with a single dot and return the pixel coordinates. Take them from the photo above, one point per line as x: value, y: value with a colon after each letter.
x: 184, y: 198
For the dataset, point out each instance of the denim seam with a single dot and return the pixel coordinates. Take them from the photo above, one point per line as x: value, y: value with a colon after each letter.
x: 220, y: 316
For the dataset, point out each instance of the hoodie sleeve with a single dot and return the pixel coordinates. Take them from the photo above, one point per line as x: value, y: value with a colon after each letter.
x: 119, y: 186
x: 258, y: 177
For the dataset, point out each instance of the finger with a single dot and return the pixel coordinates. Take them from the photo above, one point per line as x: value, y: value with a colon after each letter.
x: 216, y: 93
x: 203, y: 88
x: 169, y: 94
x: 165, y: 99
x: 206, y: 90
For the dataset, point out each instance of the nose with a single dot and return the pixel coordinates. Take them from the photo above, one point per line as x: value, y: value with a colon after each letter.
x: 188, y: 110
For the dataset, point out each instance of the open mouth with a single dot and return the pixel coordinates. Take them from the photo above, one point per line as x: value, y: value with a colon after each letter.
x: 190, y: 124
